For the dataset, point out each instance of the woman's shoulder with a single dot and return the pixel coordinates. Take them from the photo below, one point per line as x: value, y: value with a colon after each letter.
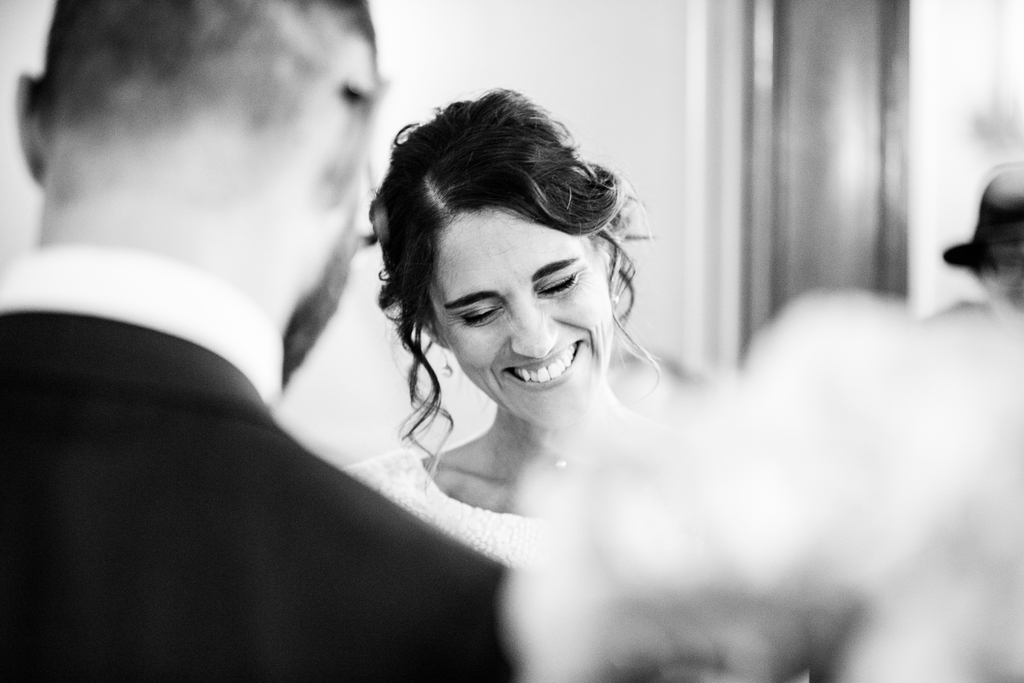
x: 402, y: 462
x: 398, y: 474
x: 403, y: 477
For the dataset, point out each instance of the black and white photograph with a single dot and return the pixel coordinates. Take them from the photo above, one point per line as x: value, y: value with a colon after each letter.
x: 549, y: 341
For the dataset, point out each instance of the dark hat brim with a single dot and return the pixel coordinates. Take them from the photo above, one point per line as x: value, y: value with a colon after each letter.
x: 969, y: 255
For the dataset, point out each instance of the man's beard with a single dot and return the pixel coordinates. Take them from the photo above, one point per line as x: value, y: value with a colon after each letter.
x: 315, y: 310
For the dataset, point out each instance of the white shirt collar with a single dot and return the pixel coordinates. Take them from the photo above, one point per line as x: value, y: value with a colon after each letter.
x: 152, y: 291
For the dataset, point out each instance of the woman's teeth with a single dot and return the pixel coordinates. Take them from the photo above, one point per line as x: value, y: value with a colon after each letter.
x: 546, y: 374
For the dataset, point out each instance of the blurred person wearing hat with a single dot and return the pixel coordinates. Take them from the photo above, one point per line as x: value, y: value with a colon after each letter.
x: 996, y: 252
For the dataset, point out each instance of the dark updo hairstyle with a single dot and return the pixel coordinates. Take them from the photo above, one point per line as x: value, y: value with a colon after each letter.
x: 499, y: 152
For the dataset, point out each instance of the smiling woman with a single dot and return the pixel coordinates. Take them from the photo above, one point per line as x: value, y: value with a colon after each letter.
x: 527, y: 312
x: 505, y: 248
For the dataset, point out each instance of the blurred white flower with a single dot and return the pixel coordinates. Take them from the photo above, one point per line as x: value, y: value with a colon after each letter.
x: 859, y: 488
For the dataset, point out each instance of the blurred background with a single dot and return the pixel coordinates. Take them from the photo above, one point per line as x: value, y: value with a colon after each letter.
x: 779, y: 146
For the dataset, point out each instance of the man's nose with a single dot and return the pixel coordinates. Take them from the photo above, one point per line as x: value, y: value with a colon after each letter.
x: 533, y: 334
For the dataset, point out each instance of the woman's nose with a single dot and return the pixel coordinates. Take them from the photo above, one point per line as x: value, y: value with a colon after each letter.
x: 533, y: 334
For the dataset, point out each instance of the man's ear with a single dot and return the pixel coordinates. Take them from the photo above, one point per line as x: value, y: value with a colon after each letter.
x: 34, y: 145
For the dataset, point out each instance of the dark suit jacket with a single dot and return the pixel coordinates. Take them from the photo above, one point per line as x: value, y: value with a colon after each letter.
x: 155, y: 523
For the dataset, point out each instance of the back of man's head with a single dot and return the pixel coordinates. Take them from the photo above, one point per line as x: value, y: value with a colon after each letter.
x: 229, y: 134
x: 113, y: 65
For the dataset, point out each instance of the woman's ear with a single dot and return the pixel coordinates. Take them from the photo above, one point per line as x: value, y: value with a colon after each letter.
x: 34, y: 143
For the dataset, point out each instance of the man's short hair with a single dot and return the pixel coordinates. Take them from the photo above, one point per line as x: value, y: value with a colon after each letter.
x: 115, y: 62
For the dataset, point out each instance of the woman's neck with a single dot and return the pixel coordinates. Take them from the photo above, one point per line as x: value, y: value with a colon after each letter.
x: 486, y: 471
x: 512, y: 444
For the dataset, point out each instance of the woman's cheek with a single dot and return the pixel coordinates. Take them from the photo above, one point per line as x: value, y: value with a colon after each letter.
x: 474, y: 349
x: 595, y: 310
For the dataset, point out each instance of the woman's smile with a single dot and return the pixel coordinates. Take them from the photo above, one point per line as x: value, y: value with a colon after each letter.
x: 543, y: 373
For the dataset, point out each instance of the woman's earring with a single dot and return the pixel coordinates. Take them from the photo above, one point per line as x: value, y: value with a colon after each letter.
x: 447, y: 369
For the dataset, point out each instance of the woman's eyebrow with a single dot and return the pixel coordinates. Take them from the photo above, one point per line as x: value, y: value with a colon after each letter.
x: 553, y: 267
x: 469, y: 299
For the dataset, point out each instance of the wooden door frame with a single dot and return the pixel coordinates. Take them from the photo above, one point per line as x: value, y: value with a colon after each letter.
x: 764, y: 240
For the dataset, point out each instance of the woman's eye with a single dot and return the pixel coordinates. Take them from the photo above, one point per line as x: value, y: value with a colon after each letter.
x: 478, y: 318
x: 562, y: 285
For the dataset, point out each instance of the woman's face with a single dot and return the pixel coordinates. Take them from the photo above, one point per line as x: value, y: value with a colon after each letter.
x: 526, y: 311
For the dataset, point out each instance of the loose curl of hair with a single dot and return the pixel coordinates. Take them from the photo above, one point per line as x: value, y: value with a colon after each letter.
x: 498, y: 152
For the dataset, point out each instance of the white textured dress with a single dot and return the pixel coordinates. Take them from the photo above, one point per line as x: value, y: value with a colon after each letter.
x: 402, y: 476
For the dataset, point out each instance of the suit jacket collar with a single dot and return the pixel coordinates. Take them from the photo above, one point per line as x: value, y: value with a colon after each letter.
x: 82, y: 353
x: 149, y: 290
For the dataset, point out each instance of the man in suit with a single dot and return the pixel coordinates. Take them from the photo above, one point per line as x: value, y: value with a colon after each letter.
x: 199, y: 161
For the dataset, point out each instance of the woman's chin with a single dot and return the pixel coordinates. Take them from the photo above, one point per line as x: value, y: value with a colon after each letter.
x: 560, y: 412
